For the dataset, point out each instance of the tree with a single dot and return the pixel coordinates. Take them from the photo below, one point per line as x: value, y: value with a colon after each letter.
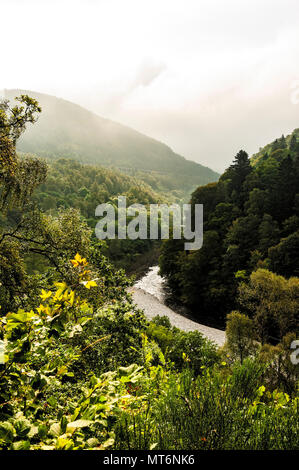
x: 240, y: 335
x: 237, y: 173
x: 272, y: 302
x: 18, y: 178
x: 280, y: 371
x: 268, y: 233
x: 13, y: 122
x: 286, y: 188
x: 293, y: 143
x: 282, y: 142
x: 243, y: 234
x: 279, y: 144
x: 29, y: 238
x: 284, y: 257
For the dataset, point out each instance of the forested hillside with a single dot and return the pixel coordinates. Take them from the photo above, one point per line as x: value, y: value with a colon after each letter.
x: 251, y: 231
x: 70, y: 184
x: 66, y: 130
x: 80, y: 365
x: 278, y: 149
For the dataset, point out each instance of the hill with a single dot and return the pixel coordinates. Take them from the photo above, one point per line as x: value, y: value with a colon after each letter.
x: 278, y: 149
x: 251, y: 222
x: 66, y: 130
x: 69, y: 184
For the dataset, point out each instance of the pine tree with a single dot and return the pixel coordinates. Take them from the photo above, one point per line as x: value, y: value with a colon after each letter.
x: 293, y: 143
x: 275, y: 145
x: 238, y: 171
x: 282, y: 142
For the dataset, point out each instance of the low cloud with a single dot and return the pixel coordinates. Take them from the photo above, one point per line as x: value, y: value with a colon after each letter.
x: 206, y: 80
x: 147, y: 73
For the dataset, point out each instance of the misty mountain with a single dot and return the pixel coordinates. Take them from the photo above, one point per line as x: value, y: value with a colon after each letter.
x: 67, y: 130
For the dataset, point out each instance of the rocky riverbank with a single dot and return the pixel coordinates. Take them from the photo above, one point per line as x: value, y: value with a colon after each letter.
x: 148, y: 294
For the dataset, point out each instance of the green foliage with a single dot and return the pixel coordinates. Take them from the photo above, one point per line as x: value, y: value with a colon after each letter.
x: 250, y: 222
x: 35, y: 247
x: 240, y: 335
x: 283, y: 256
x: 272, y: 302
x: 219, y: 409
x: 60, y: 192
x: 42, y: 356
x: 123, y: 326
x: 81, y: 368
x: 76, y: 377
x: 13, y: 122
x: 97, y: 185
x: 182, y: 349
x: 282, y: 144
x: 17, y: 178
x: 280, y: 372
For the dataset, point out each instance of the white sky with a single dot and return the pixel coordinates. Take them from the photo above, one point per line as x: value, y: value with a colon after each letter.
x: 207, y: 77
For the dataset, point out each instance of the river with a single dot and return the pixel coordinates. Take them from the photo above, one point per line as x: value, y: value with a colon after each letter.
x: 149, y: 295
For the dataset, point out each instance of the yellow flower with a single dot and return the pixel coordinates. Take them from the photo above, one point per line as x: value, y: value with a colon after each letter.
x: 45, y: 295
x: 78, y: 261
x: 89, y: 284
x: 41, y: 308
x: 71, y: 297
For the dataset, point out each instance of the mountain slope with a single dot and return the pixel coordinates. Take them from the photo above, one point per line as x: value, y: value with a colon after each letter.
x: 67, y: 130
x: 278, y: 149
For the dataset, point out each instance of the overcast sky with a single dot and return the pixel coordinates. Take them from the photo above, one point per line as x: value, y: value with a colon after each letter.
x: 206, y: 77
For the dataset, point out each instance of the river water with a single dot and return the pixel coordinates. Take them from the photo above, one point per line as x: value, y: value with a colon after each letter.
x: 149, y: 295
x: 152, y: 283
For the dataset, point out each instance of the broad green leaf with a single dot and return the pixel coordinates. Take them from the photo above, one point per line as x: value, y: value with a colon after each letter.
x: 7, y: 431
x: 55, y: 430
x: 21, y: 445
x: 80, y: 423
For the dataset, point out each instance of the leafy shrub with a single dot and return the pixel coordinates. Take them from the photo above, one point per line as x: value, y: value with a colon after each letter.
x: 122, y: 326
x: 208, y: 413
x: 44, y: 403
x: 183, y: 349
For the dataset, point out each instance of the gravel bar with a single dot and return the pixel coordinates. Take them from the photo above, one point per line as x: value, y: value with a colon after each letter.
x: 152, y: 307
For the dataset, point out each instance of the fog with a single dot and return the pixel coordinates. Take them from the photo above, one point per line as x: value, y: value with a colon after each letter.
x: 206, y: 77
